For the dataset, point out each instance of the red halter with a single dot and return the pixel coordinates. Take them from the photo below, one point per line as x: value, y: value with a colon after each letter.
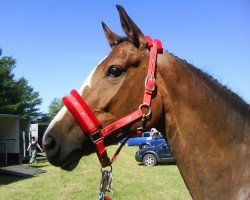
x: 89, y: 123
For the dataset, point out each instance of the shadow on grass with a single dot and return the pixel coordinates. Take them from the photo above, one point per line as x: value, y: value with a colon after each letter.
x: 6, y: 179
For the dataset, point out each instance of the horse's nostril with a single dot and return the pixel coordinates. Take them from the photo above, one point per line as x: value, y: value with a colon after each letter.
x: 49, y: 143
x: 52, y: 148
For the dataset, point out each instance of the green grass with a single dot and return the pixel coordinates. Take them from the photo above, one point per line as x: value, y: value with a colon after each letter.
x: 131, y: 181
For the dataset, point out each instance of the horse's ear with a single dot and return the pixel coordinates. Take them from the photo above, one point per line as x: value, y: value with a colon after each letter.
x: 111, y: 36
x: 132, y: 31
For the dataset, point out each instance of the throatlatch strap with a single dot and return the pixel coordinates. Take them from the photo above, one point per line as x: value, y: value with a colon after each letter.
x: 121, y: 122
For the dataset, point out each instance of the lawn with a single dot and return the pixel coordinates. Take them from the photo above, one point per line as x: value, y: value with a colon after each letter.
x: 131, y: 181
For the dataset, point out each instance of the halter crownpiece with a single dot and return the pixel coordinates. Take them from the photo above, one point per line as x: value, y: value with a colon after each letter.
x: 90, y: 124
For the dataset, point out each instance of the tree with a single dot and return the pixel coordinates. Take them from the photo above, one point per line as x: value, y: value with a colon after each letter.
x: 44, y: 118
x: 8, y: 102
x: 28, y: 99
x: 54, y: 107
x: 16, y: 96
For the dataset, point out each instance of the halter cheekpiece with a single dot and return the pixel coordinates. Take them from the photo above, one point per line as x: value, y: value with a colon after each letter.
x: 91, y: 126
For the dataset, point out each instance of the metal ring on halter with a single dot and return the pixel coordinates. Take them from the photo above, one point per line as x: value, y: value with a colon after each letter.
x: 102, y: 169
x: 145, y: 105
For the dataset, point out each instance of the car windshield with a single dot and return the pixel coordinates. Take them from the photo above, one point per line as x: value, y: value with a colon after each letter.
x: 158, y: 137
x: 146, y: 134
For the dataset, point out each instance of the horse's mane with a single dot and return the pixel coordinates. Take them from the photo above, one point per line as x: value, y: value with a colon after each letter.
x: 233, y: 99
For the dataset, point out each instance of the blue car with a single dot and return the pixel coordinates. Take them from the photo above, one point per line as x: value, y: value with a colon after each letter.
x: 156, y: 154
x: 155, y: 141
x: 137, y: 140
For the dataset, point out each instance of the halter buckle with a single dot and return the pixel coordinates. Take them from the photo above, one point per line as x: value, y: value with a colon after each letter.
x: 150, y: 83
x: 96, y: 136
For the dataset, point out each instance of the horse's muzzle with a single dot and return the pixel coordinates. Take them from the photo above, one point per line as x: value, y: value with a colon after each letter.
x: 65, y: 156
x: 52, y: 148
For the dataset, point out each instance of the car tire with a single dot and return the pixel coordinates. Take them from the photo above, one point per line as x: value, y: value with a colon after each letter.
x: 149, y: 160
x: 145, y: 146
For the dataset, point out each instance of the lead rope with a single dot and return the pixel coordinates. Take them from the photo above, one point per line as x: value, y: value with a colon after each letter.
x: 106, y: 192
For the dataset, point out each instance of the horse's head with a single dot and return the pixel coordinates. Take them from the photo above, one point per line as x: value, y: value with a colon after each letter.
x: 114, y: 89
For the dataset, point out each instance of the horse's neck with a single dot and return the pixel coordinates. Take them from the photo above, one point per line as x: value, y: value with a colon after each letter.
x: 209, y: 135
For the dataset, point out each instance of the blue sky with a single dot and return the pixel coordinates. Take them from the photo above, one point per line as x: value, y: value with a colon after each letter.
x: 57, y: 43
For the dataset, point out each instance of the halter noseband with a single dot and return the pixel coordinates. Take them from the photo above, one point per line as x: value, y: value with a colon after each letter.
x: 89, y: 123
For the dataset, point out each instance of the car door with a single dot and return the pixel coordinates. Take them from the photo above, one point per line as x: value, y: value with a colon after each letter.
x: 164, y: 153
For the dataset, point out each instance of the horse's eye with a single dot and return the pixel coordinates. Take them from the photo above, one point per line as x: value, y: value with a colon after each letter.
x: 114, y: 71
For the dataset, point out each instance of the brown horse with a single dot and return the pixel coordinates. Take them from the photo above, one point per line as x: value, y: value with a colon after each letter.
x: 206, y: 125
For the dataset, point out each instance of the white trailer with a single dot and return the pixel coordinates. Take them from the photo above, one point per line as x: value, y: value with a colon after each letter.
x: 9, y: 140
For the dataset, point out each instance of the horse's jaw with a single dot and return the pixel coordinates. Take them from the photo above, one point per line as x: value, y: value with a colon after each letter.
x: 68, y: 163
x: 73, y: 158
x: 71, y: 161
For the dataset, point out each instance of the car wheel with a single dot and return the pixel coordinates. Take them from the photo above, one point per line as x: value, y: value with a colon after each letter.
x: 149, y: 160
x: 145, y: 146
